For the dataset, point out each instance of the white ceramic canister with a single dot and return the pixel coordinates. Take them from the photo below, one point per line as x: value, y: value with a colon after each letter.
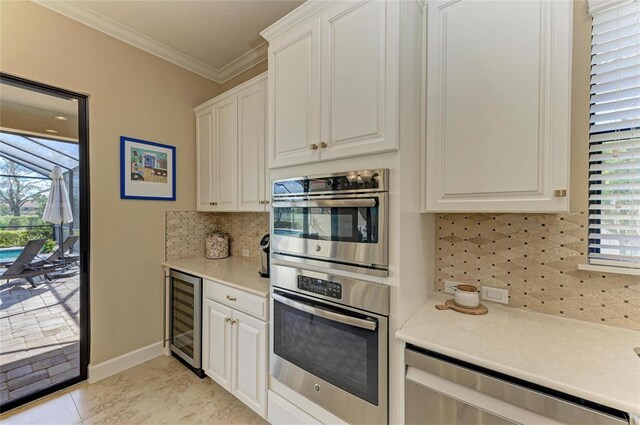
x: 467, y: 296
x: 217, y: 245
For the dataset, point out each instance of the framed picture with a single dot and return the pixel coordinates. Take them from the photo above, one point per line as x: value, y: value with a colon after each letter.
x: 147, y: 170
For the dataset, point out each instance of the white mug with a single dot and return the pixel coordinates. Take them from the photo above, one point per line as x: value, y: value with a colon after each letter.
x: 467, y: 296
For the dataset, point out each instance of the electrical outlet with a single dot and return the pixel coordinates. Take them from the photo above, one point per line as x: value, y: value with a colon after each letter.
x: 496, y: 295
x: 245, y: 252
x: 450, y: 286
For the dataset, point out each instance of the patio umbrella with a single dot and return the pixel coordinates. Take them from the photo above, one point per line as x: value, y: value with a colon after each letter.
x: 58, y: 208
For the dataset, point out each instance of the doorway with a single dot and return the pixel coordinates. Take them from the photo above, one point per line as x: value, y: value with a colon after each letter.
x: 44, y: 240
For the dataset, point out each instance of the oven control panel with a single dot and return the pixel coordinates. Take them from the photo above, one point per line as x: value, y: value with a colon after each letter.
x: 319, y: 286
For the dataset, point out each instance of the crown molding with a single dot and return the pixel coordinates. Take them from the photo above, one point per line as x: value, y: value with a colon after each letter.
x: 299, y: 14
x: 232, y: 92
x: 97, y: 21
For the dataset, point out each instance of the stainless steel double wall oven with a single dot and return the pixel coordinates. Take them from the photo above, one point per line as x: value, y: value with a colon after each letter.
x: 329, y: 329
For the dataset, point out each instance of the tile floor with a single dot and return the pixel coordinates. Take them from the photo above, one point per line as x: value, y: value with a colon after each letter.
x: 39, y: 335
x: 160, y: 391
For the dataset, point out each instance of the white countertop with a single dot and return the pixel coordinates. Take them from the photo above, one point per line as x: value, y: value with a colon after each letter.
x: 591, y: 361
x: 239, y: 272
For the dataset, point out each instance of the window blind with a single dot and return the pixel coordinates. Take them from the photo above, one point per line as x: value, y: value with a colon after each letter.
x: 614, y: 142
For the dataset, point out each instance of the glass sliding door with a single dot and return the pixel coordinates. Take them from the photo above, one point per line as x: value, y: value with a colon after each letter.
x: 44, y: 240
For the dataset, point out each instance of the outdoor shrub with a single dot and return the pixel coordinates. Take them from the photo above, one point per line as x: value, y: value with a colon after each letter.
x: 10, y: 238
x: 23, y: 220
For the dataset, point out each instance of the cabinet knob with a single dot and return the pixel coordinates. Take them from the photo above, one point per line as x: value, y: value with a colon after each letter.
x: 231, y: 298
x: 313, y: 146
x: 227, y: 319
x: 234, y: 321
x: 266, y: 202
x: 323, y: 145
x: 560, y: 193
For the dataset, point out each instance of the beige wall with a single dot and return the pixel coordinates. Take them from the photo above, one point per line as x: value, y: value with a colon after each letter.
x: 131, y: 93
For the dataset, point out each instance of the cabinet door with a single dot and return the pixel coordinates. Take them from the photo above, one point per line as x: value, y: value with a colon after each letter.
x: 359, y: 87
x: 216, y: 342
x: 251, y: 147
x: 204, y: 155
x: 294, y: 95
x: 225, y: 163
x: 250, y: 361
x: 498, y: 103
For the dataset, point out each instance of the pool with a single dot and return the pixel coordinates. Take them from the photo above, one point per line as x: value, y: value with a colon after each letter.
x: 9, y: 254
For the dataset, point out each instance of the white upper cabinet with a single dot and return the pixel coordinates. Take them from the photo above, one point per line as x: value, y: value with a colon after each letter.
x: 294, y: 100
x: 231, y: 150
x: 204, y: 154
x: 225, y: 157
x: 252, y: 177
x: 498, y: 106
x: 333, y: 82
x: 358, y: 79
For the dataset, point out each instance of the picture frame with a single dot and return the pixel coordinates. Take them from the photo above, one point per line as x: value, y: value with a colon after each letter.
x: 147, y: 170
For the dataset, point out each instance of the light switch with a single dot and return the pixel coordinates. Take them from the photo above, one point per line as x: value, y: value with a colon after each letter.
x: 496, y: 295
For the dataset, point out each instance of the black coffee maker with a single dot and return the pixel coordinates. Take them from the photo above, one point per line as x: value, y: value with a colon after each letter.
x: 264, y: 256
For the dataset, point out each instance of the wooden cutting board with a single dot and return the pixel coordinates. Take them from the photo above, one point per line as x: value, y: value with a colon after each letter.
x: 451, y: 304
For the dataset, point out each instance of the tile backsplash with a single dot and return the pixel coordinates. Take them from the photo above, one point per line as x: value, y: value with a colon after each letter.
x: 186, y: 232
x: 535, y: 257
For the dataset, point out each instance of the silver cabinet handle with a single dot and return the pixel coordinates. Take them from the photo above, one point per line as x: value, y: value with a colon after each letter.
x: 167, y: 281
x: 231, y: 298
x: 330, y: 315
x: 329, y: 203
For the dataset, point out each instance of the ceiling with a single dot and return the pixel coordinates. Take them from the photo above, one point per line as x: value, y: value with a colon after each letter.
x: 33, y: 112
x: 217, y: 39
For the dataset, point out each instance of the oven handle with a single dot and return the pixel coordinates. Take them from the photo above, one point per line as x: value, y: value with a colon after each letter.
x: 326, y: 203
x: 330, y: 315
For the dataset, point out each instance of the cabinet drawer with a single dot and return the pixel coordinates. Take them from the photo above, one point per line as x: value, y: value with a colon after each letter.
x: 236, y: 298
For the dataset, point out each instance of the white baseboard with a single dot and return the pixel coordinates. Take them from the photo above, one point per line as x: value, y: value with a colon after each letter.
x: 126, y: 361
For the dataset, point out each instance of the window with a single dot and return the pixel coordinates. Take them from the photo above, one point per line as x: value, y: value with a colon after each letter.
x: 614, y: 143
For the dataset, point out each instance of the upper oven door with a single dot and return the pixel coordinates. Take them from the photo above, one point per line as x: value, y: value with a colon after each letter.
x: 341, y: 347
x: 348, y: 228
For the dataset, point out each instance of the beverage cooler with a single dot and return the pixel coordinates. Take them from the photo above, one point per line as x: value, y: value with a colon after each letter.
x: 185, y: 331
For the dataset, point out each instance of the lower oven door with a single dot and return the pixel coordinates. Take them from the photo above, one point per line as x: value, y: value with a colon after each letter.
x: 334, y: 356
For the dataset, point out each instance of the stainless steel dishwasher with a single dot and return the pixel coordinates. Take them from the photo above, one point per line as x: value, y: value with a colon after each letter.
x: 444, y: 391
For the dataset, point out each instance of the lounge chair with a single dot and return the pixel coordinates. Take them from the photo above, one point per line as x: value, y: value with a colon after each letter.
x: 56, y: 256
x: 22, y: 268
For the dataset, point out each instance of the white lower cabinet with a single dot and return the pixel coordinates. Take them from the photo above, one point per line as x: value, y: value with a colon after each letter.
x: 235, y: 352
x: 217, y: 342
x: 282, y: 412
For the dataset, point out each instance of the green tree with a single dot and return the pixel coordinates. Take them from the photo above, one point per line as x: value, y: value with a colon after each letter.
x: 15, y: 189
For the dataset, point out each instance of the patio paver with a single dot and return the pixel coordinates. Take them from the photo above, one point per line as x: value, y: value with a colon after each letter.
x: 39, y: 335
